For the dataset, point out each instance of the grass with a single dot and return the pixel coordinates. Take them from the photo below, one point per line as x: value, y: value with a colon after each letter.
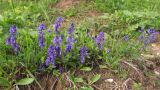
x: 116, y: 18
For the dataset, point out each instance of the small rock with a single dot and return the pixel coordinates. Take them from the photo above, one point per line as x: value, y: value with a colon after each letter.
x: 157, y: 73
x: 109, y: 80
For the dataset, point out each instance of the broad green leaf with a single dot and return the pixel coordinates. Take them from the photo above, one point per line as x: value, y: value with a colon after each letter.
x: 78, y: 79
x: 25, y: 81
x: 95, y: 78
x: 86, y: 69
x: 4, y: 82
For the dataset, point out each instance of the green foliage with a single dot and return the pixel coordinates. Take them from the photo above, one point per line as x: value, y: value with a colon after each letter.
x: 95, y: 79
x: 25, y: 81
x: 4, y: 82
x: 70, y: 12
x: 137, y: 86
x: 132, y: 5
x: 86, y: 69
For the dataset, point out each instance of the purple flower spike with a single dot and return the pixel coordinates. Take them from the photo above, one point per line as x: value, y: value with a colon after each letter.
x: 100, y: 39
x: 69, y: 44
x: 41, y: 39
x: 68, y: 47
x: 57, y: 24
x: 52, y: 54
x: 57, y: 41
x: 41, y: 35
x: 83, y: 54
x: 71, y: 28
x: 11, y: 40
x: 41, y: 27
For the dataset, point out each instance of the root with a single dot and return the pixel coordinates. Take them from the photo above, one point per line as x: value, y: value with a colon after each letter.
x: 122, y: 86
x: 136, y: 69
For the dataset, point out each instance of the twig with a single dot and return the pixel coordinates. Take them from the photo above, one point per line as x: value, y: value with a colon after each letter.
x: 136, y: 69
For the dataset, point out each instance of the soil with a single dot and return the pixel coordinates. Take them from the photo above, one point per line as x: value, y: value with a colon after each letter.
x: 64, y: 4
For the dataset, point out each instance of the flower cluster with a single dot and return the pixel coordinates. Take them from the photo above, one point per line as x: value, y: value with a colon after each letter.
x: 70, y: 40
x: 11, y: 40
x: 71, y: 28
x: 100, y: 39
x: 41, y: 35
x: 148, y: 37
x: 57, y: 41
x: 57, y: 24
x: 150, y: 31
x: 54, y: 51
x: 83, y: 54
x: 69, y: 43
x: 52, y: 54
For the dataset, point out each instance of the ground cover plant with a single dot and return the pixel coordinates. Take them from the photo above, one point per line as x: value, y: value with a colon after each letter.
x: 79, y: 45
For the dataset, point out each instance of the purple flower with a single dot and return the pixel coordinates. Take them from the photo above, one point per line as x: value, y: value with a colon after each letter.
x: 50, y: 31
x: 71, y: 28
x: 41, y: 27
x: 83, y: 54
x: 41, y: 35
x: 41, y: 39
x: 11, y: 40
x: 52, y: 54
x: 13, y: 29
x: 69, y: 44
x: 58, y: 50
x: 57, y: 40
x: 100, y: 39
x: 153, y: 37
x: 150, y: 31
x: 126, y: 37
x: 57, y: 24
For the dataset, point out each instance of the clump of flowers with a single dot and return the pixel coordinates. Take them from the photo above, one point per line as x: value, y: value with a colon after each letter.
x: 11, y: 40
x: 69, y: 43
x: 83, y: 53
x: 149, y: 36
x: 58, y: 24
x: 57, y: 41
x: 54, y: 51
x: 100, y: 39
x: 41, y: 35
x: 52, y: 54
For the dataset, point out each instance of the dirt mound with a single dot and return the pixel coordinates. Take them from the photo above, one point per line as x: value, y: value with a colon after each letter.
x: 66, y: 3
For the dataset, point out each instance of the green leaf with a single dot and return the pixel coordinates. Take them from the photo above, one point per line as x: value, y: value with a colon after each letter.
x: 78, y: 79
x: 86, y: 69
x: 95, y: 78
x: 102, y: 66
x: 25, y: 81
x: 4, y: 82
